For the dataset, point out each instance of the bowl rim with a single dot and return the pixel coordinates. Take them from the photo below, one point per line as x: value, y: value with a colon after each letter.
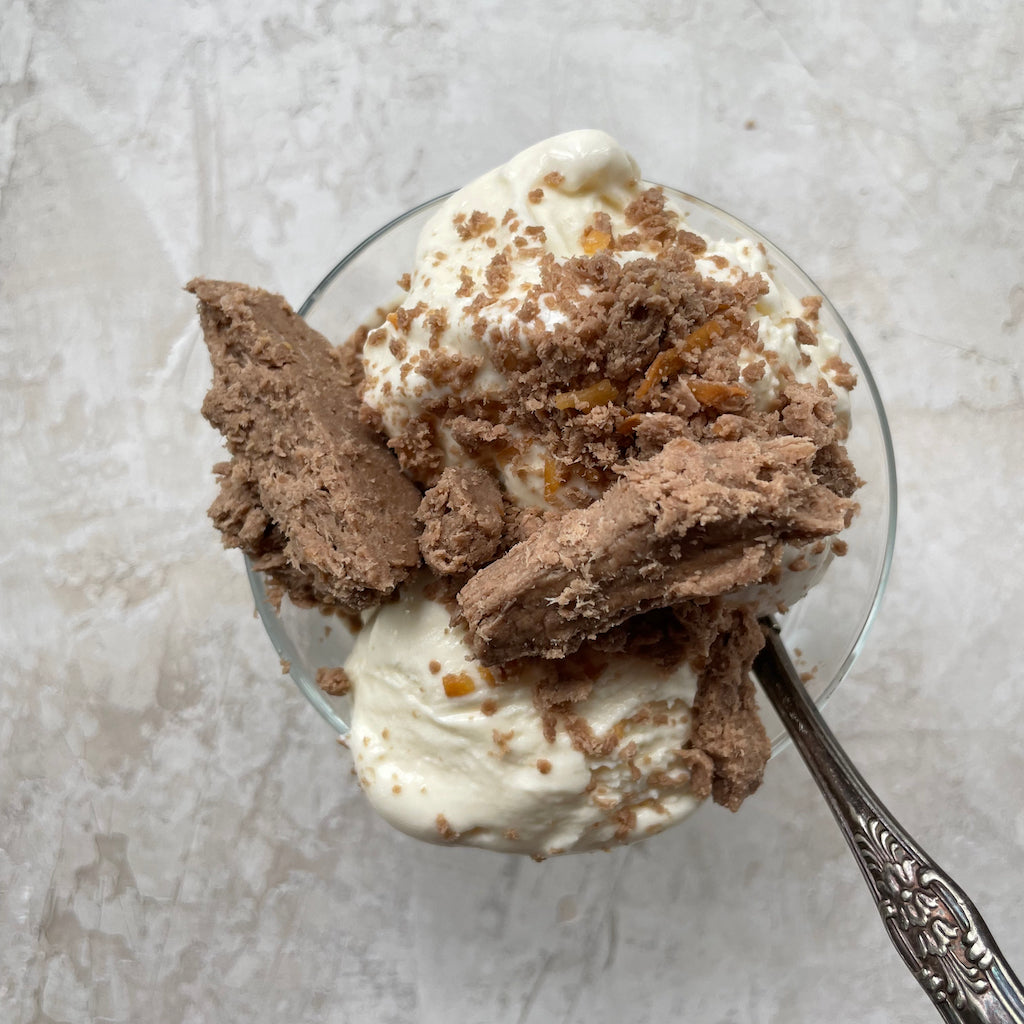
x: 285, y: 647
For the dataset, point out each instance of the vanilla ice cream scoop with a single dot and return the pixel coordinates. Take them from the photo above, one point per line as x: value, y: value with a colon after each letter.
x: 447, y: 753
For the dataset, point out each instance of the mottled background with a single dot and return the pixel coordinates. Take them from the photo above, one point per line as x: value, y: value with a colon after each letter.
x: 180, y: 837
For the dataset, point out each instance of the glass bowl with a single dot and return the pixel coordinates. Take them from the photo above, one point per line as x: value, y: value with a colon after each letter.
x: 824, y: 631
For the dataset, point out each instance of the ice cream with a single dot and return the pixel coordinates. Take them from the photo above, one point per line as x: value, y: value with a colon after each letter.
x: 446, y: 755
x: 628, y: 438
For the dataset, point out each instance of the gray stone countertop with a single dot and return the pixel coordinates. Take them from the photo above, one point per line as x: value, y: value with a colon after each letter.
x: 180, y: 835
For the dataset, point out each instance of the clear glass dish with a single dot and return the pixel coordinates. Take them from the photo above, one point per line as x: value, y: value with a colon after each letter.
x: 825, y: 631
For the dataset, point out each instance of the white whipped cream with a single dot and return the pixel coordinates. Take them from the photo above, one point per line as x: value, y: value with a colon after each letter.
x: 440, y: 769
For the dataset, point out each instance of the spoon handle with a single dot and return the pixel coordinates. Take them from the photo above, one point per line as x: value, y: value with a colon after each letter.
x: 931, y: 922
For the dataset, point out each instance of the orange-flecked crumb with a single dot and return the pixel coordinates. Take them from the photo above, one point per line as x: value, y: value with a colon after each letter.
x: 457, y: 684
x: 665, y: 364
x: 629, y: 424
x: 703, y: 337
x: 595, y: 240
x: 554, y: 477
x: 728, y: 397
x: 505, y: 455
x: 601, y: 393
x: 668, y: 363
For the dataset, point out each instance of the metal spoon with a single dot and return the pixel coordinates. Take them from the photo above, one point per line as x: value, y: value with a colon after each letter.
x: 933, y: 925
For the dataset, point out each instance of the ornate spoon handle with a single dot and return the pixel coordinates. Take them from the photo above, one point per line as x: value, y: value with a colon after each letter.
x: 934, y: 926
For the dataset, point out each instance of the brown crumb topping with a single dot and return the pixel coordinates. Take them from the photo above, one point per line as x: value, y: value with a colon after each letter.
x: 812, y: 307
x: 465, y: 283
x: 445, y: 831
x: 842, y: 372
x: 502, y: 740
x: 804, y: 334
x: 474, y: 226
x: 333, y: 681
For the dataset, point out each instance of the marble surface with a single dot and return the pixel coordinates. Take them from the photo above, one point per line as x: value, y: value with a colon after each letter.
x: 180, y: 837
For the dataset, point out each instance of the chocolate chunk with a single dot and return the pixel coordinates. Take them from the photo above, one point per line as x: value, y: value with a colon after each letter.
x: 312, y: 494
x: 726, y: 725
x: 693, y: 521
x: 463, y: 521
x: 335, y: 681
